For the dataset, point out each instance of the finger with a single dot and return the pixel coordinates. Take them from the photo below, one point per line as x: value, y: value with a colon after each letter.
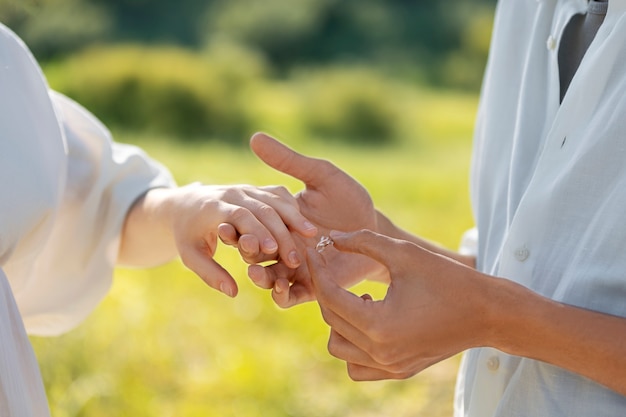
x: 390, y: 252
x: 348, y: 342
x: 248, y: 244
x: 285, y: 204
x: 200, y: 262
x: 361, y: 366
x: 262, y: 276
x: 342, y: 348
x: 266, y: 276
x: 354, y: 310
x: 365, y: 373
x: 262, y: 220
x: 228, y: 234
x: 311, y: 171
x: 285, y: 295
x: 268, y: 228
x: 250, y: 250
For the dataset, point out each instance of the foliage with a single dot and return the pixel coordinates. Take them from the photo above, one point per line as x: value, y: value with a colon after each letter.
x: 429, y: 38
x: 226, y: 94
x: 350, y: 105
x: 57, y: 27
x: 167, y: 90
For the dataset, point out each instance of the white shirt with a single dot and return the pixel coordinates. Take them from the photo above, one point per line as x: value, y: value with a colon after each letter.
x: 549, y: 196
x: 65, y: 188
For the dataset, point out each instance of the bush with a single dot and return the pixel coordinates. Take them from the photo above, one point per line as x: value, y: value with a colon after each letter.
x: 350, y: 105
x: 166, y: 90
x: 226, y: 93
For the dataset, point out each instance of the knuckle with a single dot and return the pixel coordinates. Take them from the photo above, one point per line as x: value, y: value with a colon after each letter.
x: 209, y: 205
x: 366, y: 237
x: 231, y: 193
x: 324, y: 165
x: 383, y: 355
x: 266, y: 210
x: 280, y: 190
x: 355, y: 373
x: 397, y: 368
x: 377, y: 332
x: 238, y: 213
x: 333, y: 349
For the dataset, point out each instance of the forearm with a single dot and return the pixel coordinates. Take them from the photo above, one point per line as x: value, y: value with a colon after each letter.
x: 146, y: 236
x: 388, y: 228
x: 585, y: 342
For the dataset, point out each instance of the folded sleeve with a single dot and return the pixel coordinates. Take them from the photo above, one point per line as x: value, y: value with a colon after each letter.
x: 469, y: 243
x: 103, y: 179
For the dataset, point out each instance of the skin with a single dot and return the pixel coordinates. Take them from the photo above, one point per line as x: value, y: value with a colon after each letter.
x: 187, y: 221
x: 437, y: 307
x: 437, y: 304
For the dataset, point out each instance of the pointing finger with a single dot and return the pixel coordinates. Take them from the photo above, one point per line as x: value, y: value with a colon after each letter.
x: 390, y: 252
x: 309, y: 170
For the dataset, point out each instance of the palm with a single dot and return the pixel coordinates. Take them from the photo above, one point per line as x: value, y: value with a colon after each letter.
x: 332, y: 200
x: 337, y: 202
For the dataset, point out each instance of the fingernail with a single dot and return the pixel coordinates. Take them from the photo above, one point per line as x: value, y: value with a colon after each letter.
x: 278, y: 289
x: 270, y: 245
x: 309, y: 226
x: 335, y: 234
x: 294, y: 259
x: 226, y: 289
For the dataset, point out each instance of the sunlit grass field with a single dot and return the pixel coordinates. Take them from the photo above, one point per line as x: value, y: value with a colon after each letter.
x: 163, y: 344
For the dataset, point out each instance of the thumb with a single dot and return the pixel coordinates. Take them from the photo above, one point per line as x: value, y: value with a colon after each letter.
x: 394, y: 254
x: 277, y: 155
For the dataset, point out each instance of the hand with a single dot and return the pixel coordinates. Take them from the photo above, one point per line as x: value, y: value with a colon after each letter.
x: 331, y: 200
x: 188, y: 219
x: 433, y: 309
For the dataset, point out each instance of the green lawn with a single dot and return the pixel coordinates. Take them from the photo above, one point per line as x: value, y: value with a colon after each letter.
x: 163, y: 344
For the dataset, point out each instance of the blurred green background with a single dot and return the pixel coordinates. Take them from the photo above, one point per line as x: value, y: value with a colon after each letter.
x: 385, y: 89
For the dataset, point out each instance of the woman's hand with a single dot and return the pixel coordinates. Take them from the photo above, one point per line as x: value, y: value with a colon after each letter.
x: 187, y: 221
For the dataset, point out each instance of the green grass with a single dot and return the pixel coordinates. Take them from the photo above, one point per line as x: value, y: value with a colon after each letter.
x: 163, y: 344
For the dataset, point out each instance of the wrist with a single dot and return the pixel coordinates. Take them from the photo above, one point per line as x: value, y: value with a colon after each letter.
x: 511, y: 311
x: 147, y: 236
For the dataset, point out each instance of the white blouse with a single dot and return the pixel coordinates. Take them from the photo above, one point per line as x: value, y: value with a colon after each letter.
x: 65, y: 188
x: 549, y: 196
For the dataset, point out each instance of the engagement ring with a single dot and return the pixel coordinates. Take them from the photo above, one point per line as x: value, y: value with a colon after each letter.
x: 321, y: 245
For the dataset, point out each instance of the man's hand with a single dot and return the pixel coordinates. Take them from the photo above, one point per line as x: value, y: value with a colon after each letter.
x: 434, y: 308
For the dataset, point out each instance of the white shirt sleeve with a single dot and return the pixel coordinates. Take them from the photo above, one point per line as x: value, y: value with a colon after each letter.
x: 469, y: 243
x: 65, y: 189
x: 74, y: 269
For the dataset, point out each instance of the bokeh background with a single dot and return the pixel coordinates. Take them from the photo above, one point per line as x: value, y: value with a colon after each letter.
x: 386, y: 89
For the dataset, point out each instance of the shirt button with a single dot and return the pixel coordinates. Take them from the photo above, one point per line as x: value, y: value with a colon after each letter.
x: 521, y: 254
x: 493, y: 363
x: 551, y: 43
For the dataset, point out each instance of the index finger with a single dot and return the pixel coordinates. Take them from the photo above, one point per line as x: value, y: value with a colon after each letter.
x: 390, y: 252
x: 351, y: 308
x: 284, y: 159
